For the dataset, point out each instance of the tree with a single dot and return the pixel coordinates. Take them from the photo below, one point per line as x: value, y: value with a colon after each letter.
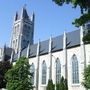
x: 50, y: 85
x: 66, y: 84
x: 84, y: 6
x: 86, y: 80
x: 86, y: 38
x: 19, y: 76
x: 62, y: 85
x: 4, y: 67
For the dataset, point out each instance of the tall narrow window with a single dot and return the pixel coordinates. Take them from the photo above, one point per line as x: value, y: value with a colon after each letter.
x: 58, y: 71
x: 44, y: 72
x: 32, y: 70
x: 75, y: 70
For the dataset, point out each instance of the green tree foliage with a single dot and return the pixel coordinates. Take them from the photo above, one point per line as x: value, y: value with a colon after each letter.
x: 66, y: 84
x: 19, y: 76
x: 62, y: 85
x: 50, y: 85
x: 86, y: 38
x: 84, y: 6
x: 4, y: 67
x: 86, y: 81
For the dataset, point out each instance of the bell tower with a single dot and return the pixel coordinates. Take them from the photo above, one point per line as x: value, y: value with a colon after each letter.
x: 23, y: 30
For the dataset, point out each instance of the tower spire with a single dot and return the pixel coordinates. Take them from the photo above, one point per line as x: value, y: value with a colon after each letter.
x: 25, y: 5
x: 24, y: 13
x: 16, y: 16
x: 20, y: 40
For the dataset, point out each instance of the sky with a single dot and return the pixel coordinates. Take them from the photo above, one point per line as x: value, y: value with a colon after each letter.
x: 50, y: 19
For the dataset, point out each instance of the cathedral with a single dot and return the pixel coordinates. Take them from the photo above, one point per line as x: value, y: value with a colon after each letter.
x: 65, y: 55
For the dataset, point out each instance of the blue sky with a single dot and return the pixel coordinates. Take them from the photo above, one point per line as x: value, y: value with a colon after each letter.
x: 50, y: 19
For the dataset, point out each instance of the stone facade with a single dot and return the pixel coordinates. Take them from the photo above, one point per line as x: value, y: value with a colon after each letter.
x: 65, y: 55
x: 82, y: 52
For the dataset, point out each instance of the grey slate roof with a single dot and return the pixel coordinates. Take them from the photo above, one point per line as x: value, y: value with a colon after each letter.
x: 44, y: 47
x: 24, y: 52
x: 8, y: 51
x: 57, y: 43
x: 73, y: 39
x: 33, y: 50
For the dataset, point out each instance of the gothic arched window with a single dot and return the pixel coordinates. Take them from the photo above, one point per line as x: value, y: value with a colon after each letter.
x: 75, y: 70
x: 32, y: 70
x: 44, y: 72
x: 58, y: 71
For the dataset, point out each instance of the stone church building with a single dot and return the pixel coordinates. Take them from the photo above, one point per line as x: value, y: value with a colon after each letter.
x: 65, y: 55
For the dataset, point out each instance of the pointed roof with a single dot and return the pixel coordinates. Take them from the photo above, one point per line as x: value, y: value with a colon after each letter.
x: 16, y: 16
x: 24, y: 14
